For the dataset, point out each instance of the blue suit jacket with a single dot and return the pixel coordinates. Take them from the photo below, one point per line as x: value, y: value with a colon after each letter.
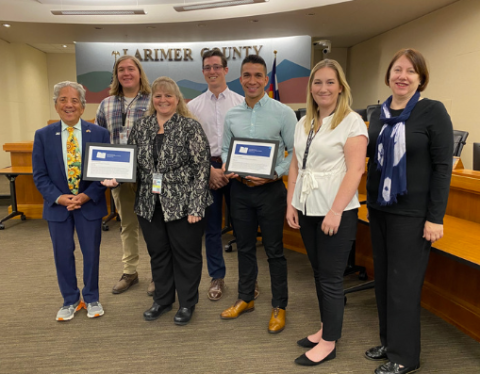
x: 49, y: 172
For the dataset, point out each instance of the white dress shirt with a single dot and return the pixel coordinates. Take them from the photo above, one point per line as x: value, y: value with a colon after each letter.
x: 211, y: 112
x: 317, y: 185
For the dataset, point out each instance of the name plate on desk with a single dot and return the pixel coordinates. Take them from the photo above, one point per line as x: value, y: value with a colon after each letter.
x: 108, y: 161
x: 252, y: 157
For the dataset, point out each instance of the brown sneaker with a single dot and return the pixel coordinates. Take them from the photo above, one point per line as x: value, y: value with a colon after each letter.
x: 215, y: 292
x: 257, y: 291
x: 125, y: 282
x: 277, y: 321
x: 151, y: 288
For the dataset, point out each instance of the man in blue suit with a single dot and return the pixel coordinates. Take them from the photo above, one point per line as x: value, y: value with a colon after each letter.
x: 71, y: 203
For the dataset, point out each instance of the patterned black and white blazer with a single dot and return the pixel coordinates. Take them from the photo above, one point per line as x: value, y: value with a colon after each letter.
x: 184, y: 161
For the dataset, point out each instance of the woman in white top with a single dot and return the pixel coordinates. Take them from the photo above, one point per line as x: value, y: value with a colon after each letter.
x: 328, y: 162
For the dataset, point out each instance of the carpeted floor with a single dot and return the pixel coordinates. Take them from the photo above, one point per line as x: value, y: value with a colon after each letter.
x: 122, y: 342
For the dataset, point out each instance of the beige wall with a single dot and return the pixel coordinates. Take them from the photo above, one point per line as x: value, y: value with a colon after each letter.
x: 450, y: 41
x: 23, y: 96
x: 62, y: 67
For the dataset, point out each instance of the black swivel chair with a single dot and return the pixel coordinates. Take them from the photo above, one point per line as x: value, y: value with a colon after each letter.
x: 363, y: 113
x: 300, y: 113
x: 371, y: 109
x: 113, y: 214
x: 459, y: 140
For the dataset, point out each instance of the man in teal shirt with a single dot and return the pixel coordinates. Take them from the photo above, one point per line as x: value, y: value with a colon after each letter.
x: 257, y: 201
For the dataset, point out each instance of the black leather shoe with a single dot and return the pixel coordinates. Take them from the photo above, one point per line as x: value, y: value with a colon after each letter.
x: 305, y: 361
x: 377, y: 353
x: 184, y: 315
x: 156, y: 311
x: 305, y: 343
x: 393, y: 368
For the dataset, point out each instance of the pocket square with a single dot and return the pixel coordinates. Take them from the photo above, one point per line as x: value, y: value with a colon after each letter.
x: 57, y: 133
x: 88, y: 131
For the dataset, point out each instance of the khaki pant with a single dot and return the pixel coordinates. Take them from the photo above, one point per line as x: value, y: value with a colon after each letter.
x: 124, y: 197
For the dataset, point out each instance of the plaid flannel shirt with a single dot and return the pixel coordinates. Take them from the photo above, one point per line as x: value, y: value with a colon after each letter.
x: 109, y: 114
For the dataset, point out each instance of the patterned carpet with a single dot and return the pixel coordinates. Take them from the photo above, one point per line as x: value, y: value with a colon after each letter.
x: 122, y: 342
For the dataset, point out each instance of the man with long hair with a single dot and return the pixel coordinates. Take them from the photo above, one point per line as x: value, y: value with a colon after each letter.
x: 130, y: 95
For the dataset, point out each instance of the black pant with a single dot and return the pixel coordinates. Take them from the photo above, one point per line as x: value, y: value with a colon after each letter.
x: 175, y: 250
x: 400, y: 255
x: 329, y: 256
x: 262, y: 206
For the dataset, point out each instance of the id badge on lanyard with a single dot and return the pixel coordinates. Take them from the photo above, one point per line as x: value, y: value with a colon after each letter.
x: 157, y: 183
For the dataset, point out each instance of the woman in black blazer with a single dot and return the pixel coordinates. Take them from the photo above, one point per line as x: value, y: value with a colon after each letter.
x: 173, y: 170
x: 409, y: 171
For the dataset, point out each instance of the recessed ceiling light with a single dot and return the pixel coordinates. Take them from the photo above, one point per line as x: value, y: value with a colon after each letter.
x: 74, y: 42
x: 310, y: 14
x: 7, y: 25
x: 150, y: 27
x: 201, y: 25
x: 98, y: 28
x: 253, y: 20
x: 64, y: 46
x: 118, y: 12
x: 216, y: 4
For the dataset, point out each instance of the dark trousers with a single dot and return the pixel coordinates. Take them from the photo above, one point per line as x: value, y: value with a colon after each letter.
x: 262, y: 206
x: 400, y: 257
x: 213, y: 229
x: 89, y: 236
x: 329, y: 256
x: 175, y: 250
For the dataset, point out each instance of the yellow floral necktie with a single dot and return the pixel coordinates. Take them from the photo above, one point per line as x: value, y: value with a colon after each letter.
x: 74, y: 162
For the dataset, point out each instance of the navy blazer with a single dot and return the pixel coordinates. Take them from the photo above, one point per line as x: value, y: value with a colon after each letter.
x: 49, y: 172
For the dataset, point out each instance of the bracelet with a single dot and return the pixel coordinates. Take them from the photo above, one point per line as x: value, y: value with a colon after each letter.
x: 336, y: 214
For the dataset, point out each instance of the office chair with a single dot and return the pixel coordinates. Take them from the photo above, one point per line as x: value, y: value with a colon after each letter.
x: 476, y: 156
x: 459, y: 140
x: 371, y: 109
x: 300, y: 113
x: 228, y: 227
x: 362, y: 273
x: 363, y: 113
x: 113, y: 214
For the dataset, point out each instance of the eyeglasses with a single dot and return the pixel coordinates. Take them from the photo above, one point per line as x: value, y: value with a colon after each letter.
x: 214, y: 67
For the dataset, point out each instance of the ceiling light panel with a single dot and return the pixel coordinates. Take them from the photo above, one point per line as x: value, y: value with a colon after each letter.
x: 117, y: 3
x: 215, y: 4
x: 104, y: 12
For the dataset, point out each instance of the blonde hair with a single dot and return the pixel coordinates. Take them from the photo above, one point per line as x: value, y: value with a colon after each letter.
x: 344, y: 99
x: 116, y: 88
x: 168, y: 85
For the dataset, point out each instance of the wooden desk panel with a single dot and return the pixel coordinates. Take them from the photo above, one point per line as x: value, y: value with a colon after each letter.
x: 452, y: 288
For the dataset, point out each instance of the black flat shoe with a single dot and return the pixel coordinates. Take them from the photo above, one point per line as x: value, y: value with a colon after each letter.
x: 183, y: 316
x: 393, y: 368
x: 305, y: 361
x: 377, y: 353
x: 156, y: 311
x: 305, y: 343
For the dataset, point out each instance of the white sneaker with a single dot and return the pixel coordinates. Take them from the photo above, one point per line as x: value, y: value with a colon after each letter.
x: 66, y: 313
x: 95, y: 310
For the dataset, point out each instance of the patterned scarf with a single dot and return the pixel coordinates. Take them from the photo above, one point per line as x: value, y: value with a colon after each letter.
x: 391, y: 152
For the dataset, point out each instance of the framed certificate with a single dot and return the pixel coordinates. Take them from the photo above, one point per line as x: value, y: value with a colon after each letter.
x: 252, y: 157
x: 107, y: 161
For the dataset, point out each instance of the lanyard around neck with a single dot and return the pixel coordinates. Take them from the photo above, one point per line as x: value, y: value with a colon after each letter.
x: 124, y: 110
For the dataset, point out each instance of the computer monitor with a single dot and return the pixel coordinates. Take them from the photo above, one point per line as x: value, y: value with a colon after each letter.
x: 476, y: 156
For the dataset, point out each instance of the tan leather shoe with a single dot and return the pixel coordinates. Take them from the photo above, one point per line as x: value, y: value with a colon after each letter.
x: 237, y: 309
x: 125, y: 282
x: 277, y: 321
x: 215, y: 292
x: 151, y: 288
x: 257, y: 291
